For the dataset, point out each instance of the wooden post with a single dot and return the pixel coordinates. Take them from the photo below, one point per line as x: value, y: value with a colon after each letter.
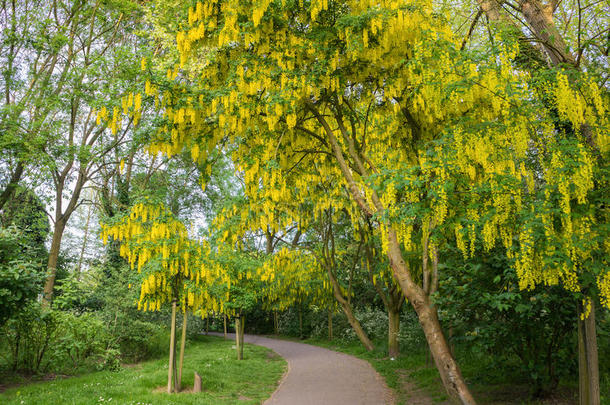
x: 197, y: 384
x: 182, y: 344
x: 172, y: 344
x: 237, y: 337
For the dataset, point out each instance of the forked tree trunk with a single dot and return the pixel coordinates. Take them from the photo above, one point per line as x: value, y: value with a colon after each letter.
x: 393, y: 331
x: 182, y: 344
x: 588, y: 367
x: 448, y: 368
x: 172, y: 346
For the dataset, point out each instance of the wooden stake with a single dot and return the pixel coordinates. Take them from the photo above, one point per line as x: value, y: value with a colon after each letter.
x: 197, y: 384
x: 182, y: 344
x: 172, y: 344
x: 237, y: 337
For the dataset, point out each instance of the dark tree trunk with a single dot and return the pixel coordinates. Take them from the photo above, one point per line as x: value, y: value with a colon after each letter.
x: 588, y: 367
x: 393, y: 331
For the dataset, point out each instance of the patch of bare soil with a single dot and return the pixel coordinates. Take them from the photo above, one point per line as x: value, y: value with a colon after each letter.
x: 271, y: 355
x: 413, y: 395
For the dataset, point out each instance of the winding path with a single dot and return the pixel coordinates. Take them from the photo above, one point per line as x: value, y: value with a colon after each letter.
x: 318, y: 376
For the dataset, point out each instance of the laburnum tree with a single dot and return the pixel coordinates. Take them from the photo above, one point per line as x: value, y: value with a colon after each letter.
x: 435, y: 145
x: 174, y: 268
x: 571, y: 38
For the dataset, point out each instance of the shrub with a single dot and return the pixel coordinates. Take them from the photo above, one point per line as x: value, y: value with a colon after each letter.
x: 41, y: 340
x: 29, y: 336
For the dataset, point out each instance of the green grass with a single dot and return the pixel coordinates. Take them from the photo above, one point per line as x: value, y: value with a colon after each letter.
x: 225, y: 380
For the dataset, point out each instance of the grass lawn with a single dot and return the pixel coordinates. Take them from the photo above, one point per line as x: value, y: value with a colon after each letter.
x: 225, y: 380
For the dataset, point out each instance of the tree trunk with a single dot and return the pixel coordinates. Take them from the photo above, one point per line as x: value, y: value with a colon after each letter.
x: 588, y: 366
x: 347, y: 309
x: 355, y: 324
x: 242, y: 325
x: 58, y: 231
x: 224, y: 316
x: 330, y: 324
x: 84, y: 245
x: 428, y: 318
x: 448, y: 368
x: 172, y: 344
x: 276, y: 323
x: 207, y: 325
x: 393, y: 331
x: 237, y: 339
x: 300, y: 321
x: 182, y: 344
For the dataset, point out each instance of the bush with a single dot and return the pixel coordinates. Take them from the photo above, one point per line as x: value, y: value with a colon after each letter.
x: 84, y: 341
x: 29, y: 337
x: 40, y: 340
x: 411, y: 337
x: 137, y: 340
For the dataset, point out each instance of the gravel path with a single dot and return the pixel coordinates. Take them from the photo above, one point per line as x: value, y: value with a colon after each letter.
x: 318, y: 376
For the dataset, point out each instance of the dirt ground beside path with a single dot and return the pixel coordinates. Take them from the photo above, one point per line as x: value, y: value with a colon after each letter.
x: 318, y: 376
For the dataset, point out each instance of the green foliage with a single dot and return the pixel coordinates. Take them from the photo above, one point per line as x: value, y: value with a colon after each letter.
x: 529, y: 334
x: 29, y: 337
x: 40, y: 340
x: 26, y: 212
x: 20, y: 278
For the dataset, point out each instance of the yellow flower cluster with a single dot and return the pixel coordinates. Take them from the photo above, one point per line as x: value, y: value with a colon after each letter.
x: 262, y: 67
